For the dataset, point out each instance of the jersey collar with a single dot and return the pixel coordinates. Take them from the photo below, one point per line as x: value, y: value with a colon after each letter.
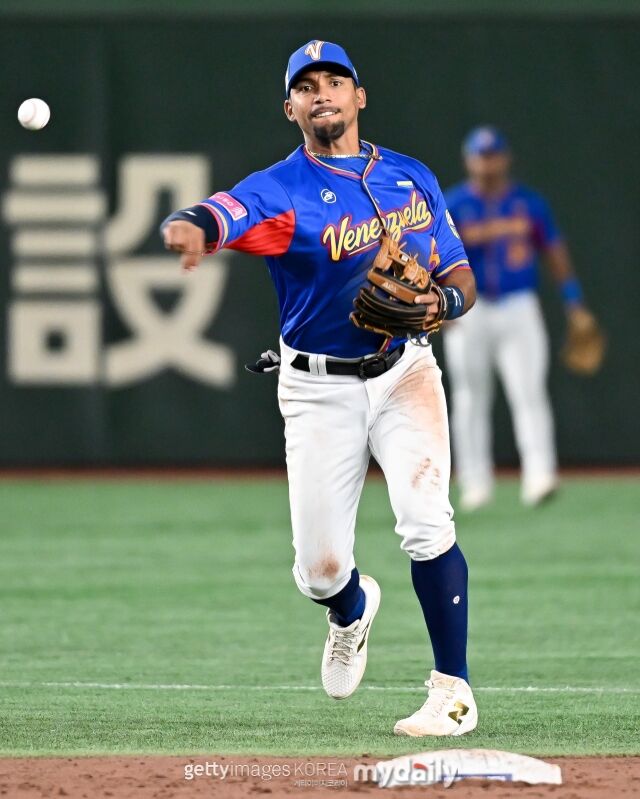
x: 375, y: 157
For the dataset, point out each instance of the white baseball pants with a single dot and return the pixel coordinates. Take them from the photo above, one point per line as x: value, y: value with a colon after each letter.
x: 507, y: 337
x: 332, y: 424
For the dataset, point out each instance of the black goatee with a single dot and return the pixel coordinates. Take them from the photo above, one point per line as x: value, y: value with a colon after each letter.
x: 325, y: 134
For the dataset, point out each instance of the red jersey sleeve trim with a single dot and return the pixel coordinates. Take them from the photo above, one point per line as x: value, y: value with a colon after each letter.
x: 269, y: 237
x: 223, y: 229
x: 464, y: 264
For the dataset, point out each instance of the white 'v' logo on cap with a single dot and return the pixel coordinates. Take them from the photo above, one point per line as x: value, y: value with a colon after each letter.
x: 314, y: 49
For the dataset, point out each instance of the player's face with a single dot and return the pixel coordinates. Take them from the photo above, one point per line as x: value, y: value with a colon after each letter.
x: 324, y: 105
x: 488, y: 171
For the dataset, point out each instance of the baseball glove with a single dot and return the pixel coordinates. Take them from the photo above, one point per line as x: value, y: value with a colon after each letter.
x: 584, y: 346
x: 387, y: 304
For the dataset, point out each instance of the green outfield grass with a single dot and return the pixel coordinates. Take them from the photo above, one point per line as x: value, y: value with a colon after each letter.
x: 152, y: 586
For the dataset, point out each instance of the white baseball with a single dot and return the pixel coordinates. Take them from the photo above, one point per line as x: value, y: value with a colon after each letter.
x: 34, y: 114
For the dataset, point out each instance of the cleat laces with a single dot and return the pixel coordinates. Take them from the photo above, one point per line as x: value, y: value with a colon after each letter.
x: 436, y: 699
x: 343, y: 646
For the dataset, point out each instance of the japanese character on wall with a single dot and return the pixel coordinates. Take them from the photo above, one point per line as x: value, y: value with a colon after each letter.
x: 56, y: 212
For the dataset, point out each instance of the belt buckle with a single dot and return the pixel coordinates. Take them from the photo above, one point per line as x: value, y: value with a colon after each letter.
x: 372, y: 366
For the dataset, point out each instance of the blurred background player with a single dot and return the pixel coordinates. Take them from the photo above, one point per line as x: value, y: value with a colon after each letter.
x: 505, y: 228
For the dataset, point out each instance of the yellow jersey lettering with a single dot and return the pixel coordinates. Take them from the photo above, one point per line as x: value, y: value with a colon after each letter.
x: 344, y: 238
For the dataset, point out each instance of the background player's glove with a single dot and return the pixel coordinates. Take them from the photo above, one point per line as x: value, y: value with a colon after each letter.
x: 387, y: 305
x: 584, y: 346
x: 267, y: 363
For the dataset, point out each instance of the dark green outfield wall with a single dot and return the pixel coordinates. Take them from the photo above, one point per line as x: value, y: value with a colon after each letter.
x: 78, y: 385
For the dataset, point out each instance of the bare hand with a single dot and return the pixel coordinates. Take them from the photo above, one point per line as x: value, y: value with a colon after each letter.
x: 186, y: 238
x: 581, y: 317
x: 432, y: 301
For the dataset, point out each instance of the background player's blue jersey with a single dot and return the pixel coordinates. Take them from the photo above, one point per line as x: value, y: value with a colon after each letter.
x: 503, y: 237
x: 319, y: 232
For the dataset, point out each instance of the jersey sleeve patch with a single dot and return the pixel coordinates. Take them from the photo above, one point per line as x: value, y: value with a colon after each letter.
x: 454, y: 229
x: 235, y: 209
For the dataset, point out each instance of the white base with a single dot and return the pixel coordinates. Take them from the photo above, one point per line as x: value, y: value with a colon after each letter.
x: 451, y: 765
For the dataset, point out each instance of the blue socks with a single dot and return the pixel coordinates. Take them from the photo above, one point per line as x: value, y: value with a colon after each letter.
x: 348, y: 604
x: 441, y: 586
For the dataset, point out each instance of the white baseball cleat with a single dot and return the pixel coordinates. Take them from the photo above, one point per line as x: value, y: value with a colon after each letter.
x: 535, y: 492
x: 345, y: 652
x: 450, y: 709
x: 475, y: 498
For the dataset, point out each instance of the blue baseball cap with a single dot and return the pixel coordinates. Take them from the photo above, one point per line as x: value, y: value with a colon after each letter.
x: 316, y: 54
x: 484, y: 141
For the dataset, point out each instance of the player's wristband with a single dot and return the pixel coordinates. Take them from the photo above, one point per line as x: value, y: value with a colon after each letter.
x: 571, y: 291
x: 455, y: 301
x: 197, y: 215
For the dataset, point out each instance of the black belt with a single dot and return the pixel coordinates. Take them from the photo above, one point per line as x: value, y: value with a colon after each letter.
x: 365, y: 368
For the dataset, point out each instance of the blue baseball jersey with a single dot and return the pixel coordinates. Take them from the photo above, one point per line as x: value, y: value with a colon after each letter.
x: 503, y: 237
x: 319, y: 232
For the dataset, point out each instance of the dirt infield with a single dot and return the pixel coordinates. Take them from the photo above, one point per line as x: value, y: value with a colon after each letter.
x: 168, y: 777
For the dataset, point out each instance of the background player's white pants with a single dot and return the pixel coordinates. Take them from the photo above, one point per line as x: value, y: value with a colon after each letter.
x: 509, y: 337
x: 332, y: 423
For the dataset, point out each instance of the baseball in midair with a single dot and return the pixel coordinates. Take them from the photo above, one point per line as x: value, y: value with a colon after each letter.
x: 34, y: 114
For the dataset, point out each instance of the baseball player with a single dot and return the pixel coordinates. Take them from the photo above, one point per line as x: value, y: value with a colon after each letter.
x: 345, y: 392
x: 505, y: 227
